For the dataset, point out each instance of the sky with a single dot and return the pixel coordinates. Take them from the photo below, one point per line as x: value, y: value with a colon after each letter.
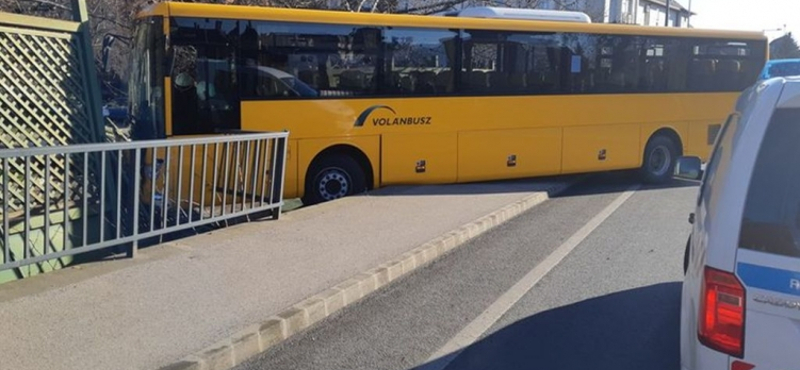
x: 758, y: 15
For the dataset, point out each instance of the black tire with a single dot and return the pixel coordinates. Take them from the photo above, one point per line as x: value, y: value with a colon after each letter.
x: 660, y: 157
x: 686, y: 256
x: 333, y: 177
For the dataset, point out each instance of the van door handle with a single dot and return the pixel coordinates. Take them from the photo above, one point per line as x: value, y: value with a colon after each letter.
x: 691, y: 218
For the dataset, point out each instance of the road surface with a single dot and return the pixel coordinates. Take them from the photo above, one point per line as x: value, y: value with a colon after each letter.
x: 587, y: 280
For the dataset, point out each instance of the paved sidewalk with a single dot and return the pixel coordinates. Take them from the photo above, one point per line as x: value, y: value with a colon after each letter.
x: 179, y: 298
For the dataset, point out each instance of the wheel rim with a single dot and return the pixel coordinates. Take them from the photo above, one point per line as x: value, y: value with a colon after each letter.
x: 660, y: 160
x: 334, y: 183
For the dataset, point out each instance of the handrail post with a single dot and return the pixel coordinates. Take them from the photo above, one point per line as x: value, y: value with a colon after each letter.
x: 134, y: 249
x: 276, y: 195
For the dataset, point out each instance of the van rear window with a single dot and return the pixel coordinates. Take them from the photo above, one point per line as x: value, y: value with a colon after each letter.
x: 771, y: 221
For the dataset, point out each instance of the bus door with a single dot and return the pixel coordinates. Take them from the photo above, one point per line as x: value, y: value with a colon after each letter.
x: 205, y: 86
x: 205, y: 100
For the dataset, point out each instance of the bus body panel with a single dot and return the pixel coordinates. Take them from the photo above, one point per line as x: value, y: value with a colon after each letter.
x: 606, y: 147
x: 340, y: 117
x: 701, y: 137
x: 705, y: 117
x: 621, y: 124
x: 506, y: 154
x: 291, y: 187
x: 309, y: 149
x: 194, y: 165
x: 411, y: 158
x: 168, y: 108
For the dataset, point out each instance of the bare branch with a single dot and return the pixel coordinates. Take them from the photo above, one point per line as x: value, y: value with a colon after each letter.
x: 53, y: 4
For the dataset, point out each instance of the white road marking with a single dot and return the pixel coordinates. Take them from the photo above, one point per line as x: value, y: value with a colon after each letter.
x: 475, y: 329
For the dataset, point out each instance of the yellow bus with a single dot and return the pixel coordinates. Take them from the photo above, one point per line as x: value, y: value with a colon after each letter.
x: 377, y: 99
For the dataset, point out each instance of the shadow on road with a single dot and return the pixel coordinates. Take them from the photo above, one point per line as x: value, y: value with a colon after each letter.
x: 619, y: 181
x: 597, y: 183
x: 634, y: 329
x: 476, y: 188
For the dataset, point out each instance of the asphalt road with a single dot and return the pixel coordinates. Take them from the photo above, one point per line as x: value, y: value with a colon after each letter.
x: 588, y: 280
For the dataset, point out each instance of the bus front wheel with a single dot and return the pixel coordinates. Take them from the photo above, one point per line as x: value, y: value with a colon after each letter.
x: 660, y: 156
x: 333, y: 177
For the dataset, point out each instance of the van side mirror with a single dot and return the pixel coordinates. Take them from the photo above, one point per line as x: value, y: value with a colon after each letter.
x: 689, y: 168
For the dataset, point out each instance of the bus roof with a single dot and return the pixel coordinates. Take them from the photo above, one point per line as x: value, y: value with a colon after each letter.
x: 197, y: 10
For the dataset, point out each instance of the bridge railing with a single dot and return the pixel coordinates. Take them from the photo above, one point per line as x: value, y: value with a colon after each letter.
x: 118, y: 194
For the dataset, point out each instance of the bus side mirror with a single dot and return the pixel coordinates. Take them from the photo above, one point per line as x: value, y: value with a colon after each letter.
x: 689, y: 168
x: 108, y: 42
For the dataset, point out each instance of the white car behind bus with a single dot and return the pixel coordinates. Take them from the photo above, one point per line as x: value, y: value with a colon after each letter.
x: 741, y: 295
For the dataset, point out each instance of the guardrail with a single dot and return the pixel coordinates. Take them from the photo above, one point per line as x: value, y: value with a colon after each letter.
x: 66, y: 200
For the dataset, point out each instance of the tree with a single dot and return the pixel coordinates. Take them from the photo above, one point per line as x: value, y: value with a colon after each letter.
x: 106, y: 17
x: 784, y: 47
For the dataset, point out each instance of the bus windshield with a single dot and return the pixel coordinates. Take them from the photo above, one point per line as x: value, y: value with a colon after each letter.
x: 146, y: 84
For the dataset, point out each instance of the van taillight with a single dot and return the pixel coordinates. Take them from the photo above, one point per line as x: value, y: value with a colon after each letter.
x: 721, y: 322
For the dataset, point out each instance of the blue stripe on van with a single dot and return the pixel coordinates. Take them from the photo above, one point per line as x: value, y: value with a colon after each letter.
x: 768, y: 278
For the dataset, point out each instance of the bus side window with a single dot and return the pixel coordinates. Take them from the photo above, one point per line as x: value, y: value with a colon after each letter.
x: 728, y: 73
x: 724, y: 65
x: 658, y: 56
x: 702, y: 74
x: 418, y: 61
x: 309, y: 60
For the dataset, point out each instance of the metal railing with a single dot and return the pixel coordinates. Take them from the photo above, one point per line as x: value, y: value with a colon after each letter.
x: 82, y: 198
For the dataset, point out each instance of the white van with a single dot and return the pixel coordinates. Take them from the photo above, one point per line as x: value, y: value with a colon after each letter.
x: 741, y: 295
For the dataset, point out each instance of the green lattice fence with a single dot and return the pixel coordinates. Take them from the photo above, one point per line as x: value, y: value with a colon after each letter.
x: 49, y: 96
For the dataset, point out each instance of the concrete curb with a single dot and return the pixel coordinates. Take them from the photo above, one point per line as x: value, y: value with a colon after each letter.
x: 255, y: 339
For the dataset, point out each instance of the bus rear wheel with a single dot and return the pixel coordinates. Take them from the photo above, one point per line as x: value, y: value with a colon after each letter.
x: 660, y: 156
x: 333, y: 177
